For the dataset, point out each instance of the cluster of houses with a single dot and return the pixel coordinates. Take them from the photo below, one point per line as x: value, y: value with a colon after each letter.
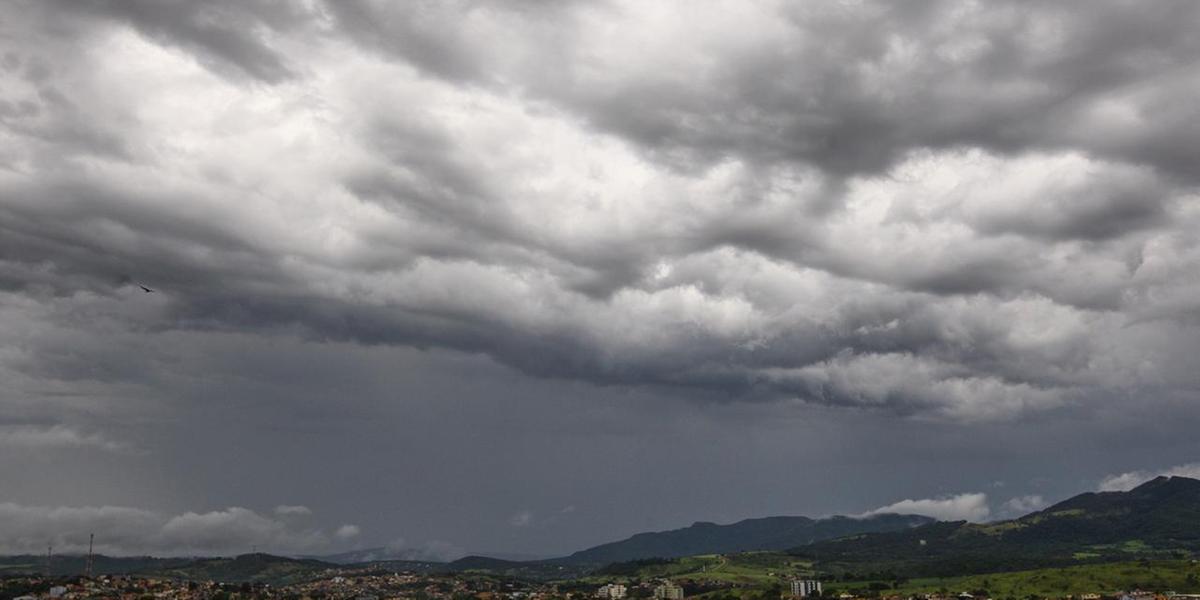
x: 1133, y: 595
x: 612, y: 591
x: 342, y: 584
x: 667, y: 590
x: 797, y: 588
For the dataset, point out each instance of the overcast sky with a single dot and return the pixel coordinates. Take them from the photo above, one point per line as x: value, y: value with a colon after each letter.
x: 524, y: 277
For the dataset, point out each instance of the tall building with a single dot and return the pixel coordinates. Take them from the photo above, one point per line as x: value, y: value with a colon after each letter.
x: 668, y: 591
x: 611, y: 591
x: 803, y: 588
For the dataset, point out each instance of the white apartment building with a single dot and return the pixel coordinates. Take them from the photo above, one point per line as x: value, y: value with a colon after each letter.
x: 803, y: 588
x: 611, y: 591
x: 668, y: 591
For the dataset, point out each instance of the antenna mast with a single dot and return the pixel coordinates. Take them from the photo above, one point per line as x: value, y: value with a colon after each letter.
x: 91, y: 538
x: 49, y: 553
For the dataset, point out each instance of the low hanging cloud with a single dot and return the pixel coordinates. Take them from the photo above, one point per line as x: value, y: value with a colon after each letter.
x: 1123, y: 482
x: 288, y: 510
x: 1020, y: 505
x: 56, y: 436
x: 962, y: 507
x: 401, y: 549
x: 123, y: 530
x: 347, y: 532
x: 523, y: 518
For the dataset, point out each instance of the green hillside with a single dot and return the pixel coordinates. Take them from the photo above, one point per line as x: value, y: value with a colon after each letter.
x: 261, y: 568
x: 749, y: 568
x: 69, y: 564
x: 530, y: 570
x: 770, y: 533
x: 1181, y: 576
x: 1158, y: 520
x: 757, y: 575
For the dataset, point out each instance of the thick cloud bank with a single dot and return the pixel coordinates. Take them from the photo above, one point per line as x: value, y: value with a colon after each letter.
x: 548, y: 247
x: 964, y: 211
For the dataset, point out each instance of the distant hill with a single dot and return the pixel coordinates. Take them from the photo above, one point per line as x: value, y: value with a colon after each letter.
x: 770, y: 533
x: 1159, y: 519
x: 266, y: 568
x: 247, y: 567
x: 482, y: 563
x: 527, y: 569
x: 403, y: 560
x: 68, y: 564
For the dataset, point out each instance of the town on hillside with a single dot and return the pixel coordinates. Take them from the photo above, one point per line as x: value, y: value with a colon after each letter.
x: 361, y: 585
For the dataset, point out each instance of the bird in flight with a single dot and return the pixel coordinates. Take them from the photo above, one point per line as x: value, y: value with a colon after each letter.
x: 146, y: 289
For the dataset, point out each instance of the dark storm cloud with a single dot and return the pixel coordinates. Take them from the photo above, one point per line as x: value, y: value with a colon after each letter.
x: 851, y: 88
x: 996, y: 77
x: 426, y: 33
x: 938, y: 166
x: 941, y: 215
x: 231, y: 36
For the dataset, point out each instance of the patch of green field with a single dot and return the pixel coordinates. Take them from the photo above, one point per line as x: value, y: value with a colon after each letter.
x: 999, y: 528
x: 23, y: 567
x: 1178, y: 575
x: 749, y: 568
x: 754, y: 573
x: 1038, y: 518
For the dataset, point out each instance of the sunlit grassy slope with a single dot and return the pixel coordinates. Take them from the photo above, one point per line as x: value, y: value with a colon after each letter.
x: 759, y: 572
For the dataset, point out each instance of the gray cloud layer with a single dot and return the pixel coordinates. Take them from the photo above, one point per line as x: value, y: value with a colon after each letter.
x: 959, y: 213
x: 124, y: 530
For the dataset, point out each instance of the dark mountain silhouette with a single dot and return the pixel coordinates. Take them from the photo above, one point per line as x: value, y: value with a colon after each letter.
x: 246, y: 567
x: 1159, y: 519
x: 770, y: 533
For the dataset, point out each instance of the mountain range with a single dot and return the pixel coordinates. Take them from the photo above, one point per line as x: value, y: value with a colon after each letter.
x: 1158, y: 519
x: 770, y: 533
